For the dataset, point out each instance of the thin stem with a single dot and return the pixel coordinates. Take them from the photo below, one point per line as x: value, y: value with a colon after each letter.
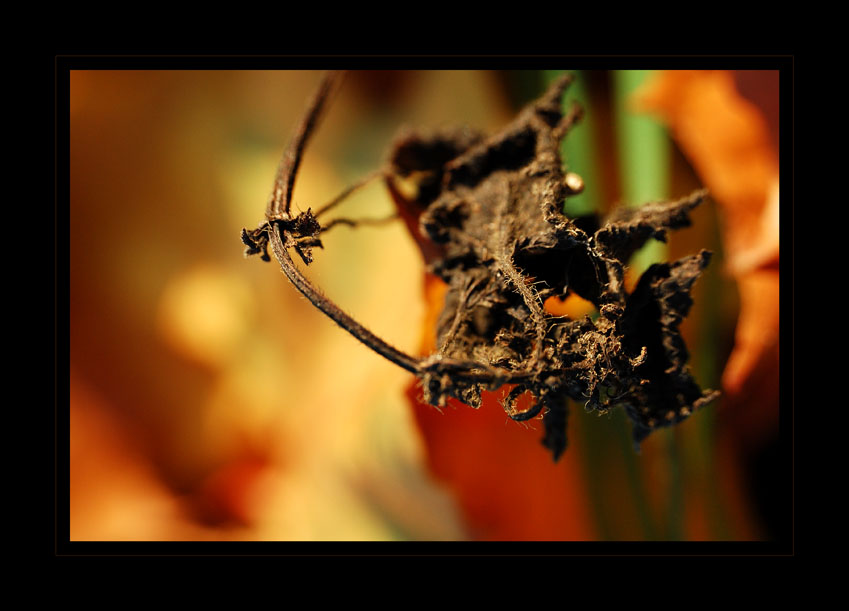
x: 472, y: 372
x: 284, y: 180
x: 357, y: 222
x: 527, y: 414
x: 281, y: 197
x: 675, y: 502
x: 339, y: 198
x: 324, y: 304
x: 644, y: 172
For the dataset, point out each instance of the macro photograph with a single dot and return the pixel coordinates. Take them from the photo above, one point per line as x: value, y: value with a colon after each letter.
x: 316, y: 305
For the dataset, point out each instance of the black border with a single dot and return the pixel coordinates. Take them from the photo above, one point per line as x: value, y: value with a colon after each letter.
x: 63, y: 64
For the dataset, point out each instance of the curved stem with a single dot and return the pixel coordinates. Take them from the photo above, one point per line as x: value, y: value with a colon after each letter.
x: 284, y: 180
x: 528, y: 414
x: 471, y: 372
x: 411, y: 364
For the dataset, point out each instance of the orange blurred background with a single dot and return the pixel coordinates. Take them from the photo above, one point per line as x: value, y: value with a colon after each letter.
x: 210, y: 401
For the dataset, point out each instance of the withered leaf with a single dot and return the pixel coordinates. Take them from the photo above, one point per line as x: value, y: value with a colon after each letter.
x: 488, y: 216
x: 506, y: 246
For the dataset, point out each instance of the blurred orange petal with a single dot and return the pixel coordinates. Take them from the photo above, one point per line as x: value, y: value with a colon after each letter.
x: 232, y: 494
x: 731, y: 141
x: 727, y: 139
x: 115, y: 492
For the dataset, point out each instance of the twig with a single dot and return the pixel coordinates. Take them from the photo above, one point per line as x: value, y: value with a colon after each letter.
x: 358, y: 222
x: 360, y: 183
x: 284, y: 180
x: 324, y: 304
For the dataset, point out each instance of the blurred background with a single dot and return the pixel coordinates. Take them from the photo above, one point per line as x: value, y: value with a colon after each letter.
x: 210, y: 401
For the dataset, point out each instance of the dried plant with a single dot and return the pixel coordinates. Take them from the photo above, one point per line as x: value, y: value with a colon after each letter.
x: 488, y: 217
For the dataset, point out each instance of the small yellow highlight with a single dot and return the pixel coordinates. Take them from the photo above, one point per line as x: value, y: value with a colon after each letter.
x: 204, y: 313
x: 573, y: 306
x: 409, y: 186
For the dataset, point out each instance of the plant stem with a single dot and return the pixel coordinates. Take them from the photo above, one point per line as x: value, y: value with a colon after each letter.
x: 319, y: 300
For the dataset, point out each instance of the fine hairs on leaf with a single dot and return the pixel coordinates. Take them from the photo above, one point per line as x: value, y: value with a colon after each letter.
x: 488, y: 216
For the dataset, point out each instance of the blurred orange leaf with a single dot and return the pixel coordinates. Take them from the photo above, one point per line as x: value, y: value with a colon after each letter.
x: 727, y: 139
x: 731, y: 140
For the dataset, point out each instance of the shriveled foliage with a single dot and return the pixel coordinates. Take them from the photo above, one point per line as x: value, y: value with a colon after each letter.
x: 488, y: 216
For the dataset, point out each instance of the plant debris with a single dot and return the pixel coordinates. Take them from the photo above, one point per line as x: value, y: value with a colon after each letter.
x: 488, y: 216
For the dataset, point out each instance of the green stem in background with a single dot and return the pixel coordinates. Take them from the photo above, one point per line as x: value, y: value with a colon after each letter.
x: 675, y: 507
x: 578, y: 149
x: 579, y: 155
x: 635, y: 480
x: 717, y: 517
x: 708, y: 370
x: 644, y: 158
x: 644, y: 169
